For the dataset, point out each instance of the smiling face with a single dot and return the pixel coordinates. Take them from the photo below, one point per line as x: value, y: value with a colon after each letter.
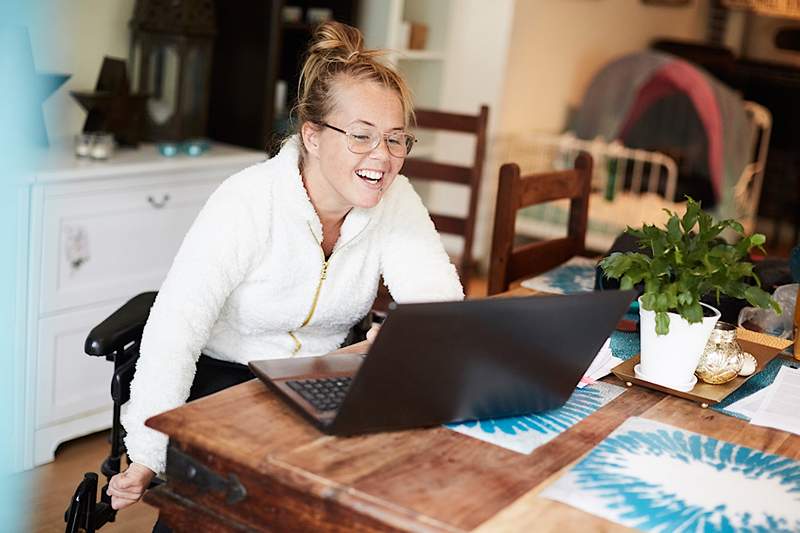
x: 336, y: 178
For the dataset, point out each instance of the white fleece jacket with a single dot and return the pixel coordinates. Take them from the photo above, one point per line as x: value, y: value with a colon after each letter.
x: 247, y: 273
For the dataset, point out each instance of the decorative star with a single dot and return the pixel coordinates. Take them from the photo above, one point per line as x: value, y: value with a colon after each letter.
x: 111, y: 106
x: 24, y: 89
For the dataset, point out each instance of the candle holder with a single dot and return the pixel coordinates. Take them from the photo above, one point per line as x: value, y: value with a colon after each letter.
x: 83, y: 144
x: 722, y: 358
x: 103, y: 146
x: 97, y: 145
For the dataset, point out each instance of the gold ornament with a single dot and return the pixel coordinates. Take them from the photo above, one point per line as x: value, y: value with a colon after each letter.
x: 722, y: 358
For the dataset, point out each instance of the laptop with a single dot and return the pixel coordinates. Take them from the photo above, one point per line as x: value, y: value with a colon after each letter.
x: 435, y: 363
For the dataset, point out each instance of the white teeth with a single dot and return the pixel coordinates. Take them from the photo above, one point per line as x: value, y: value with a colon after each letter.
x: 371, y: 175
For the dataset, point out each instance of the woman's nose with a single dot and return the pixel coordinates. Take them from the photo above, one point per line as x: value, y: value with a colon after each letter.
x: 382, y: 150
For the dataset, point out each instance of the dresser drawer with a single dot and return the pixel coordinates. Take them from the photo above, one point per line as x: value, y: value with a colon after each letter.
x: 114, y: 243
x: 70, y: 384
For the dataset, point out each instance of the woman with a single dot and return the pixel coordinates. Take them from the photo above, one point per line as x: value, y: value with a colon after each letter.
x: 287, y: 255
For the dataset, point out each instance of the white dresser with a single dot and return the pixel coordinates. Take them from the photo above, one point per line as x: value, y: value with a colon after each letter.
x: 98, y: 234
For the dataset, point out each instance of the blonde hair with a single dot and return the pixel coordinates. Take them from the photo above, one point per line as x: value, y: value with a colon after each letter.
x: 337, y: 53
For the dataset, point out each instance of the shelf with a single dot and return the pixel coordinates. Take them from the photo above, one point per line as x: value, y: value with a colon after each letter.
x: 419, y: 55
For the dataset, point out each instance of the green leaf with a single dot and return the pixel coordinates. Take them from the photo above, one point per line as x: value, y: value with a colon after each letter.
x: 674, y: 229
x: 662, y: 302
x: 690, y: 217
x: 684, y: 298
x: 639, y: 234
x: 757, y: 239
x: 678, y: 256
x: 659, y: 266
x: 713, y: 231
x: 761, y: 298
x: 626, y: 283
x: 662, y: 323
x: 740, y: 270
x: 693, y: 313
x: 704, y: 222
x: 735, y: 226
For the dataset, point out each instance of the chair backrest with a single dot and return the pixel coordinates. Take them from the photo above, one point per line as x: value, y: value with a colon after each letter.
x: 747, y: 191
x: 515, y: 192
x: 469, y: 176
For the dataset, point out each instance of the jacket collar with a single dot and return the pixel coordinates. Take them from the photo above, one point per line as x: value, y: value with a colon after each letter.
x: 296, y: 196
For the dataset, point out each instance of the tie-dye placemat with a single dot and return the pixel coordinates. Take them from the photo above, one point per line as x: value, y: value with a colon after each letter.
x: 656, y: 477
x: 524, y: 434
x: 574, y: 276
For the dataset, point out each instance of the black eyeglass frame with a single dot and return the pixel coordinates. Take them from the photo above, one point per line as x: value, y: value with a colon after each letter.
x: 410, y: 140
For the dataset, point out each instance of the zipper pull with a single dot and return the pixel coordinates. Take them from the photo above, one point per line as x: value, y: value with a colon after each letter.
x: 324, y: 271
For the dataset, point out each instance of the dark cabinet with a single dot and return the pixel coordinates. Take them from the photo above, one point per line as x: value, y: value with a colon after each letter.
x: 256, y: 51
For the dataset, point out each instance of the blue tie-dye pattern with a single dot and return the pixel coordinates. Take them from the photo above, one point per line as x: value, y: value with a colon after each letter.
x: 581, y: 404
x: 577, y: 275
x: 571, y: 279
x: 648, y: 507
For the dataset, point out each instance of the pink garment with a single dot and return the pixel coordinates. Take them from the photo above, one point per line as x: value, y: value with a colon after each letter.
x: 680, y: 76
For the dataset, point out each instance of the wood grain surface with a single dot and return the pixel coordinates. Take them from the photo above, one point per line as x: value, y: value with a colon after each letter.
x: 434, y: 479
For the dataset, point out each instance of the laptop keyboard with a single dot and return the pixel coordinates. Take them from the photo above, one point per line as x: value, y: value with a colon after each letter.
x: 324, y: 394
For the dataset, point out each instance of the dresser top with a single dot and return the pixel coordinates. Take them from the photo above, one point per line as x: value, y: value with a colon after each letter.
x: 59, y: 163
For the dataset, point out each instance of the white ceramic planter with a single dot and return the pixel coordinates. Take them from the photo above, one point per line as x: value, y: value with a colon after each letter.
x: 670, y: 360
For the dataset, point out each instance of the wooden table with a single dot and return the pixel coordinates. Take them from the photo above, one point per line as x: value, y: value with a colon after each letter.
x: 278, y: 473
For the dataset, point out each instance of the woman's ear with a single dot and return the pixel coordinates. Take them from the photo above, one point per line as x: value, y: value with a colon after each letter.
x: 310, y: 133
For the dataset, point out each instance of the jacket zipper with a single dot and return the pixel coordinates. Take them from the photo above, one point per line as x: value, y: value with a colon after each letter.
x: 323, y: 275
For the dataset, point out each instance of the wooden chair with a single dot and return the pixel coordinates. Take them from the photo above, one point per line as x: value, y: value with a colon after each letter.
x: 508, y: 264
x: 468, y: 176
x: 420, y: 168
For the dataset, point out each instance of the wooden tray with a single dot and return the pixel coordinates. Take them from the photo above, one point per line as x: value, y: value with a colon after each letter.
x: 763, y: 347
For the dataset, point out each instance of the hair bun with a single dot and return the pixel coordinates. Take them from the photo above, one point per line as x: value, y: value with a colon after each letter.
x: 336, y: 42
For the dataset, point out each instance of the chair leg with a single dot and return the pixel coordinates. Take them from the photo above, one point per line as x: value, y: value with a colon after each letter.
x: 112, y: 464
x: 80, y: 515
x: 85, y: 513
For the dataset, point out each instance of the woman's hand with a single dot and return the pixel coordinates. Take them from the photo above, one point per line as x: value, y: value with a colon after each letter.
x: 361, y: 347
x: 127, y: 488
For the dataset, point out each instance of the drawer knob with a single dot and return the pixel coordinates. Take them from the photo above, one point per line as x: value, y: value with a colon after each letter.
x: 158, y: 204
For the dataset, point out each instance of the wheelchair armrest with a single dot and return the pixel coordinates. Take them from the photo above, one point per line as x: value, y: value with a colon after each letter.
x: 123, y: 326
x: 121, y: 381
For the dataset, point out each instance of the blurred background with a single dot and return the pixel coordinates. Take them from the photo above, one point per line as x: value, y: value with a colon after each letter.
x: 144, y: 106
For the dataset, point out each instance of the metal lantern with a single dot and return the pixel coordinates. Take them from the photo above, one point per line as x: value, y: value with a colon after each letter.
x: 171, y: 51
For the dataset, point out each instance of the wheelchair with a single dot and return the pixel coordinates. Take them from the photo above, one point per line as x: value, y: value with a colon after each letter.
x: 117, y: 338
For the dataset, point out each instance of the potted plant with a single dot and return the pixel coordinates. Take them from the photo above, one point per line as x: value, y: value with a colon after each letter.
x: 689, y: 260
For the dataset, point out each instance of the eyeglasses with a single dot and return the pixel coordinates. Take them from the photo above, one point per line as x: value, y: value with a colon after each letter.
x: 363, y: 138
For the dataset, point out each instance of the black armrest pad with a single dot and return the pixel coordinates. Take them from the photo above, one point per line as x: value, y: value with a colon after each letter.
x: 121, y: 381
x: 122, y: 327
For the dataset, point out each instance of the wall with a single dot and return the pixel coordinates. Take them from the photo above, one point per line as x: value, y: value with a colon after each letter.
x: 558, y: 45
x: 759, y: 39
x: 73, y: 40
x: 475, y: 73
